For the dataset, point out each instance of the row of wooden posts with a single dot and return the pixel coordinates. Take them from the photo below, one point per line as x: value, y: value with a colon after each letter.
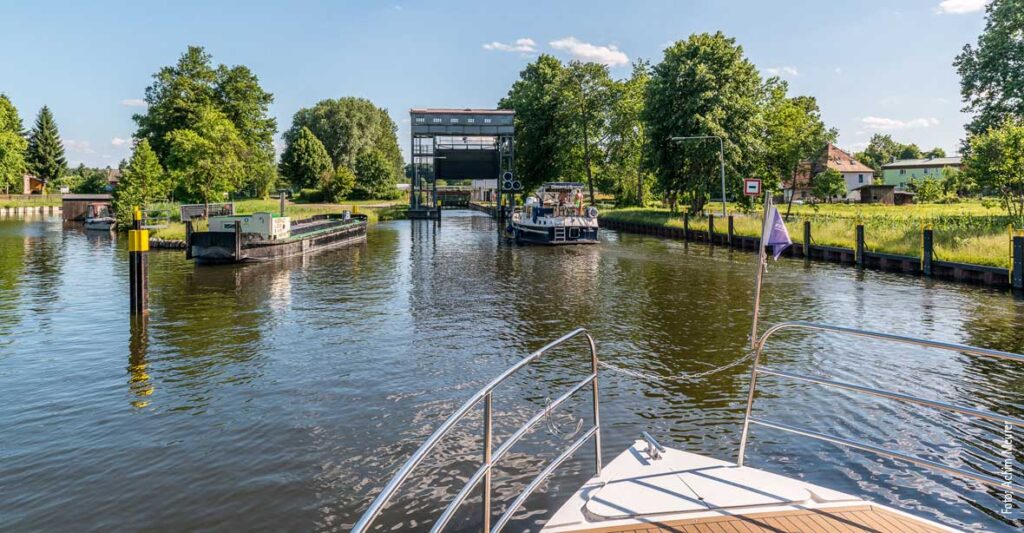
x: 926, y: 265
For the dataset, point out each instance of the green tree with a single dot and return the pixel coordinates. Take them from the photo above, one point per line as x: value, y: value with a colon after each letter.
x: 180, y: 96
x: 305, y: 161
x: 142, y: 181
x: 794, y: 133
x: 911, y: 151
x: 535, y: 99
x: 991, y: 77
x: 627, y: 137
x: 208, y: 159
x: 927, y: 190
x: 337, y: 186
x: 935, y: 152
x: 586, y: 97
x: 703, y: 86
x: 995, y: 160
x: 349, y: 128
x: 882, y: 149
x: 13, y: 146
x: 45, y: 155
x: 958, y: 183
x: 828, y: 185
x: 375, y: 178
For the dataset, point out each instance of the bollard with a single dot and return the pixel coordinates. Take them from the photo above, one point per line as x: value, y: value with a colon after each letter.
x: 188, y: 239
x: 860, y: 245
x: 686, y: 226
x: 711, y: 228
x: 807, y: 239
x: 138, y: 249
x: 927, y: 240
x: 730, y: 230
x: 238, y: 240
x: 1017, y: 272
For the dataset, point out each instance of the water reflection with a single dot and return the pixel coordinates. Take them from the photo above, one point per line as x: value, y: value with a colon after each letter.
x: 139, y: 382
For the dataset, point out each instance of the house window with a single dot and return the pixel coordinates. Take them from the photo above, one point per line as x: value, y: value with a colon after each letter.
x: 926, y: 171
x: 903, y: 171
x: 420, y: 119
x: 455, y: 121
x: 487, y: 121
x: 470, y: 120
x: 860, y: 178
x: 437, y: 121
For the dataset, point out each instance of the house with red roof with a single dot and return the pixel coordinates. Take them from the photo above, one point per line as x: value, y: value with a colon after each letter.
x: 855, y: 173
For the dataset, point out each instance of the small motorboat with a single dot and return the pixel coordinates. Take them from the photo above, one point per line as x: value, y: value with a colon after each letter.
x: 555, y: 215
x: 99, y: 217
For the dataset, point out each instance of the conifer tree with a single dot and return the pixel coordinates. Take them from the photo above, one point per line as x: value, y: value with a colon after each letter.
x: 45, y: 156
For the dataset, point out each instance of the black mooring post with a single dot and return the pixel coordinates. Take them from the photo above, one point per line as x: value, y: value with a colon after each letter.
x: 927, y: 252
x: 238, y: 240
x: 860, y: 245
x: 188, y: 239
x: 1017, y: 274
x: 686, y: 226
x: 730, y: 230
x: 711, y: 228
x: 807, y: 239
x: 138, y: 249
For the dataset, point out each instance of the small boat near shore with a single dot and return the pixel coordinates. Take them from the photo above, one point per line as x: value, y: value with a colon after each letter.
x: 555, y: 215
x: 265, y: 237
x: 99, y: 217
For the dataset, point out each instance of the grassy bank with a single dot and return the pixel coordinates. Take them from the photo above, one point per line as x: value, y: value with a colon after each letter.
x: 964, y: 233
x: 34, y: 200
x: 375, y: 211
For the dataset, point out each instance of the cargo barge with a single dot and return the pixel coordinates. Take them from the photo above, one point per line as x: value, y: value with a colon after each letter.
x: 265, y: 237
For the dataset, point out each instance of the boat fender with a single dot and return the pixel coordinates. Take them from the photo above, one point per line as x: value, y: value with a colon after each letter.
x: 592, y: 212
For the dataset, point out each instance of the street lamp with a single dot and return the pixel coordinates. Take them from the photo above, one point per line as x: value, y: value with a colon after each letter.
x: 721, y: 157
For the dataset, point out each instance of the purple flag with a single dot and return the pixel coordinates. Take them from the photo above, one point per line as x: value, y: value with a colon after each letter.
x: 775, y: 233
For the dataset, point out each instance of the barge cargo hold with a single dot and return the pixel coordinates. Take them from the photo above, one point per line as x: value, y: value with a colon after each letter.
x: 263, y: 237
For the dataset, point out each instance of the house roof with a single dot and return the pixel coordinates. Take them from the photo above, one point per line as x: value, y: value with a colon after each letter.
x: 465, y: 111
x: 925, y: 163
x: 837, y: 159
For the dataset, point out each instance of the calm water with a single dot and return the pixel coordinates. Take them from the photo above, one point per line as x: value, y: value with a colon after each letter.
x: 284, y: 396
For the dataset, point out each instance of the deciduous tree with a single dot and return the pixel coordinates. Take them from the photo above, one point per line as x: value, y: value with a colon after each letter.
x: 142, y: 181
x: 375, y: 178
x: 828, y: 185
x: 627, y: 138
x: 586, y: 96
x: 12, y: 146
x: 995, y: 160
x: 305, y: 162
x: 45, y: 155
x: 991, y: 77
x: 794, y: 133
x: 535, y: 99
x: 207, y: 159
x: 703, y: 86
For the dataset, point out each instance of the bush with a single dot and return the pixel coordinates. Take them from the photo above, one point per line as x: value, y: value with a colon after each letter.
x: 337, y: 187
x: 375, y: 178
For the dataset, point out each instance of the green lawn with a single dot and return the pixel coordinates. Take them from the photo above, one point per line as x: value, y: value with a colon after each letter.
x: 969, y: 232
x: 35, y: 200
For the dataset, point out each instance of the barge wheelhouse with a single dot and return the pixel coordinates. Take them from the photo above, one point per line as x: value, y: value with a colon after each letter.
x: 555, y: 215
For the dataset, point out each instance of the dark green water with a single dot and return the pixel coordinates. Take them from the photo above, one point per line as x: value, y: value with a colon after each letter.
x: 283, y: 396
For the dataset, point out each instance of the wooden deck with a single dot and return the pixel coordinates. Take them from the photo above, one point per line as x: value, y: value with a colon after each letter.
x: 859, y: 519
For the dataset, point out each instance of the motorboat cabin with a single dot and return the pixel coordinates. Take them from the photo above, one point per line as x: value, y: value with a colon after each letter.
x: 556, y: 214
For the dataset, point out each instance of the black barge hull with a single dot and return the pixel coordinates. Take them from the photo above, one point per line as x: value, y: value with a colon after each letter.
x: 322, y: 232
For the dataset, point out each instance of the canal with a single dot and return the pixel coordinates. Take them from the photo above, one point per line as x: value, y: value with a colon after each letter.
x: 283, y: 396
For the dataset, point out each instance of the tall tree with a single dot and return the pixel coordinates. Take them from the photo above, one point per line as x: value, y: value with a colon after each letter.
x: 703, y: 86
x: 375, y: 178
x: 350, y: 127
x: 535, y: 99
x: 586, y: 97
x: 305, y: 161
x: 627, y: 138
x: 207, y: 159
x: 995, y: 160
x: 935, y: 152
x: 794, y: 132
x: 45, y: 156
x: 12, y: 146
x: 142, y: 181
x: 991, y: 76
x: 882, y: 149
x: 180, y: 95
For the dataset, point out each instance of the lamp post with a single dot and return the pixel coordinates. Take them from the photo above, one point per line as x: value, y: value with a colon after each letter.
x: 721, y: 158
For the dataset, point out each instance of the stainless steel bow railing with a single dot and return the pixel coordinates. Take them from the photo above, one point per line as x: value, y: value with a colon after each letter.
x: 483, y: 473
x: 891, y: 454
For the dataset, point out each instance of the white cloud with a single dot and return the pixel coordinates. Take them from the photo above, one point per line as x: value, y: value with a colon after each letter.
x: 959, y: 7
x: 881, y: 123
x: 783, y: 71
x: 133, y: 102
x: 609, y: 55
x: 117, y: 141
x: 82, y: 147
x: 520, y: 45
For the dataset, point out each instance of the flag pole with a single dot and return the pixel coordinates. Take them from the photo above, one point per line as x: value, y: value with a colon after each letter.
x: 761, y: 260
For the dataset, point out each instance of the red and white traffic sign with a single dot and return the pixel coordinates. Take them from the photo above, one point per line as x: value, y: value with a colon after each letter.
x: 752, y: 187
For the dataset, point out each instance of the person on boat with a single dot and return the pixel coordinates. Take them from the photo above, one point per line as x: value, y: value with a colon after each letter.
x: 579, y: 202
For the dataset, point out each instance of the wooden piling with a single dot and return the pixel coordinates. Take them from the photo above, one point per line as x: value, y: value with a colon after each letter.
x: 711, y: 228
x: 730, y: 230
x: 238, y: 240
x: 1017, y: 271
x: 807, y: 239
x: 927, y: 243
x: 860, y: 245
x: 686, y: 226
x: 188, y: 239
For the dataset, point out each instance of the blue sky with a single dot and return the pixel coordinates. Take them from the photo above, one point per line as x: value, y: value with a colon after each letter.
x: 875, y: 66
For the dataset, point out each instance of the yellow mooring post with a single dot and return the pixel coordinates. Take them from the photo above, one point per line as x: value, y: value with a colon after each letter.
x: 138, y: 249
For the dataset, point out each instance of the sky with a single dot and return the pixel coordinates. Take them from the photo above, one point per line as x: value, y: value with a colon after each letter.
x: 875, y: 66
